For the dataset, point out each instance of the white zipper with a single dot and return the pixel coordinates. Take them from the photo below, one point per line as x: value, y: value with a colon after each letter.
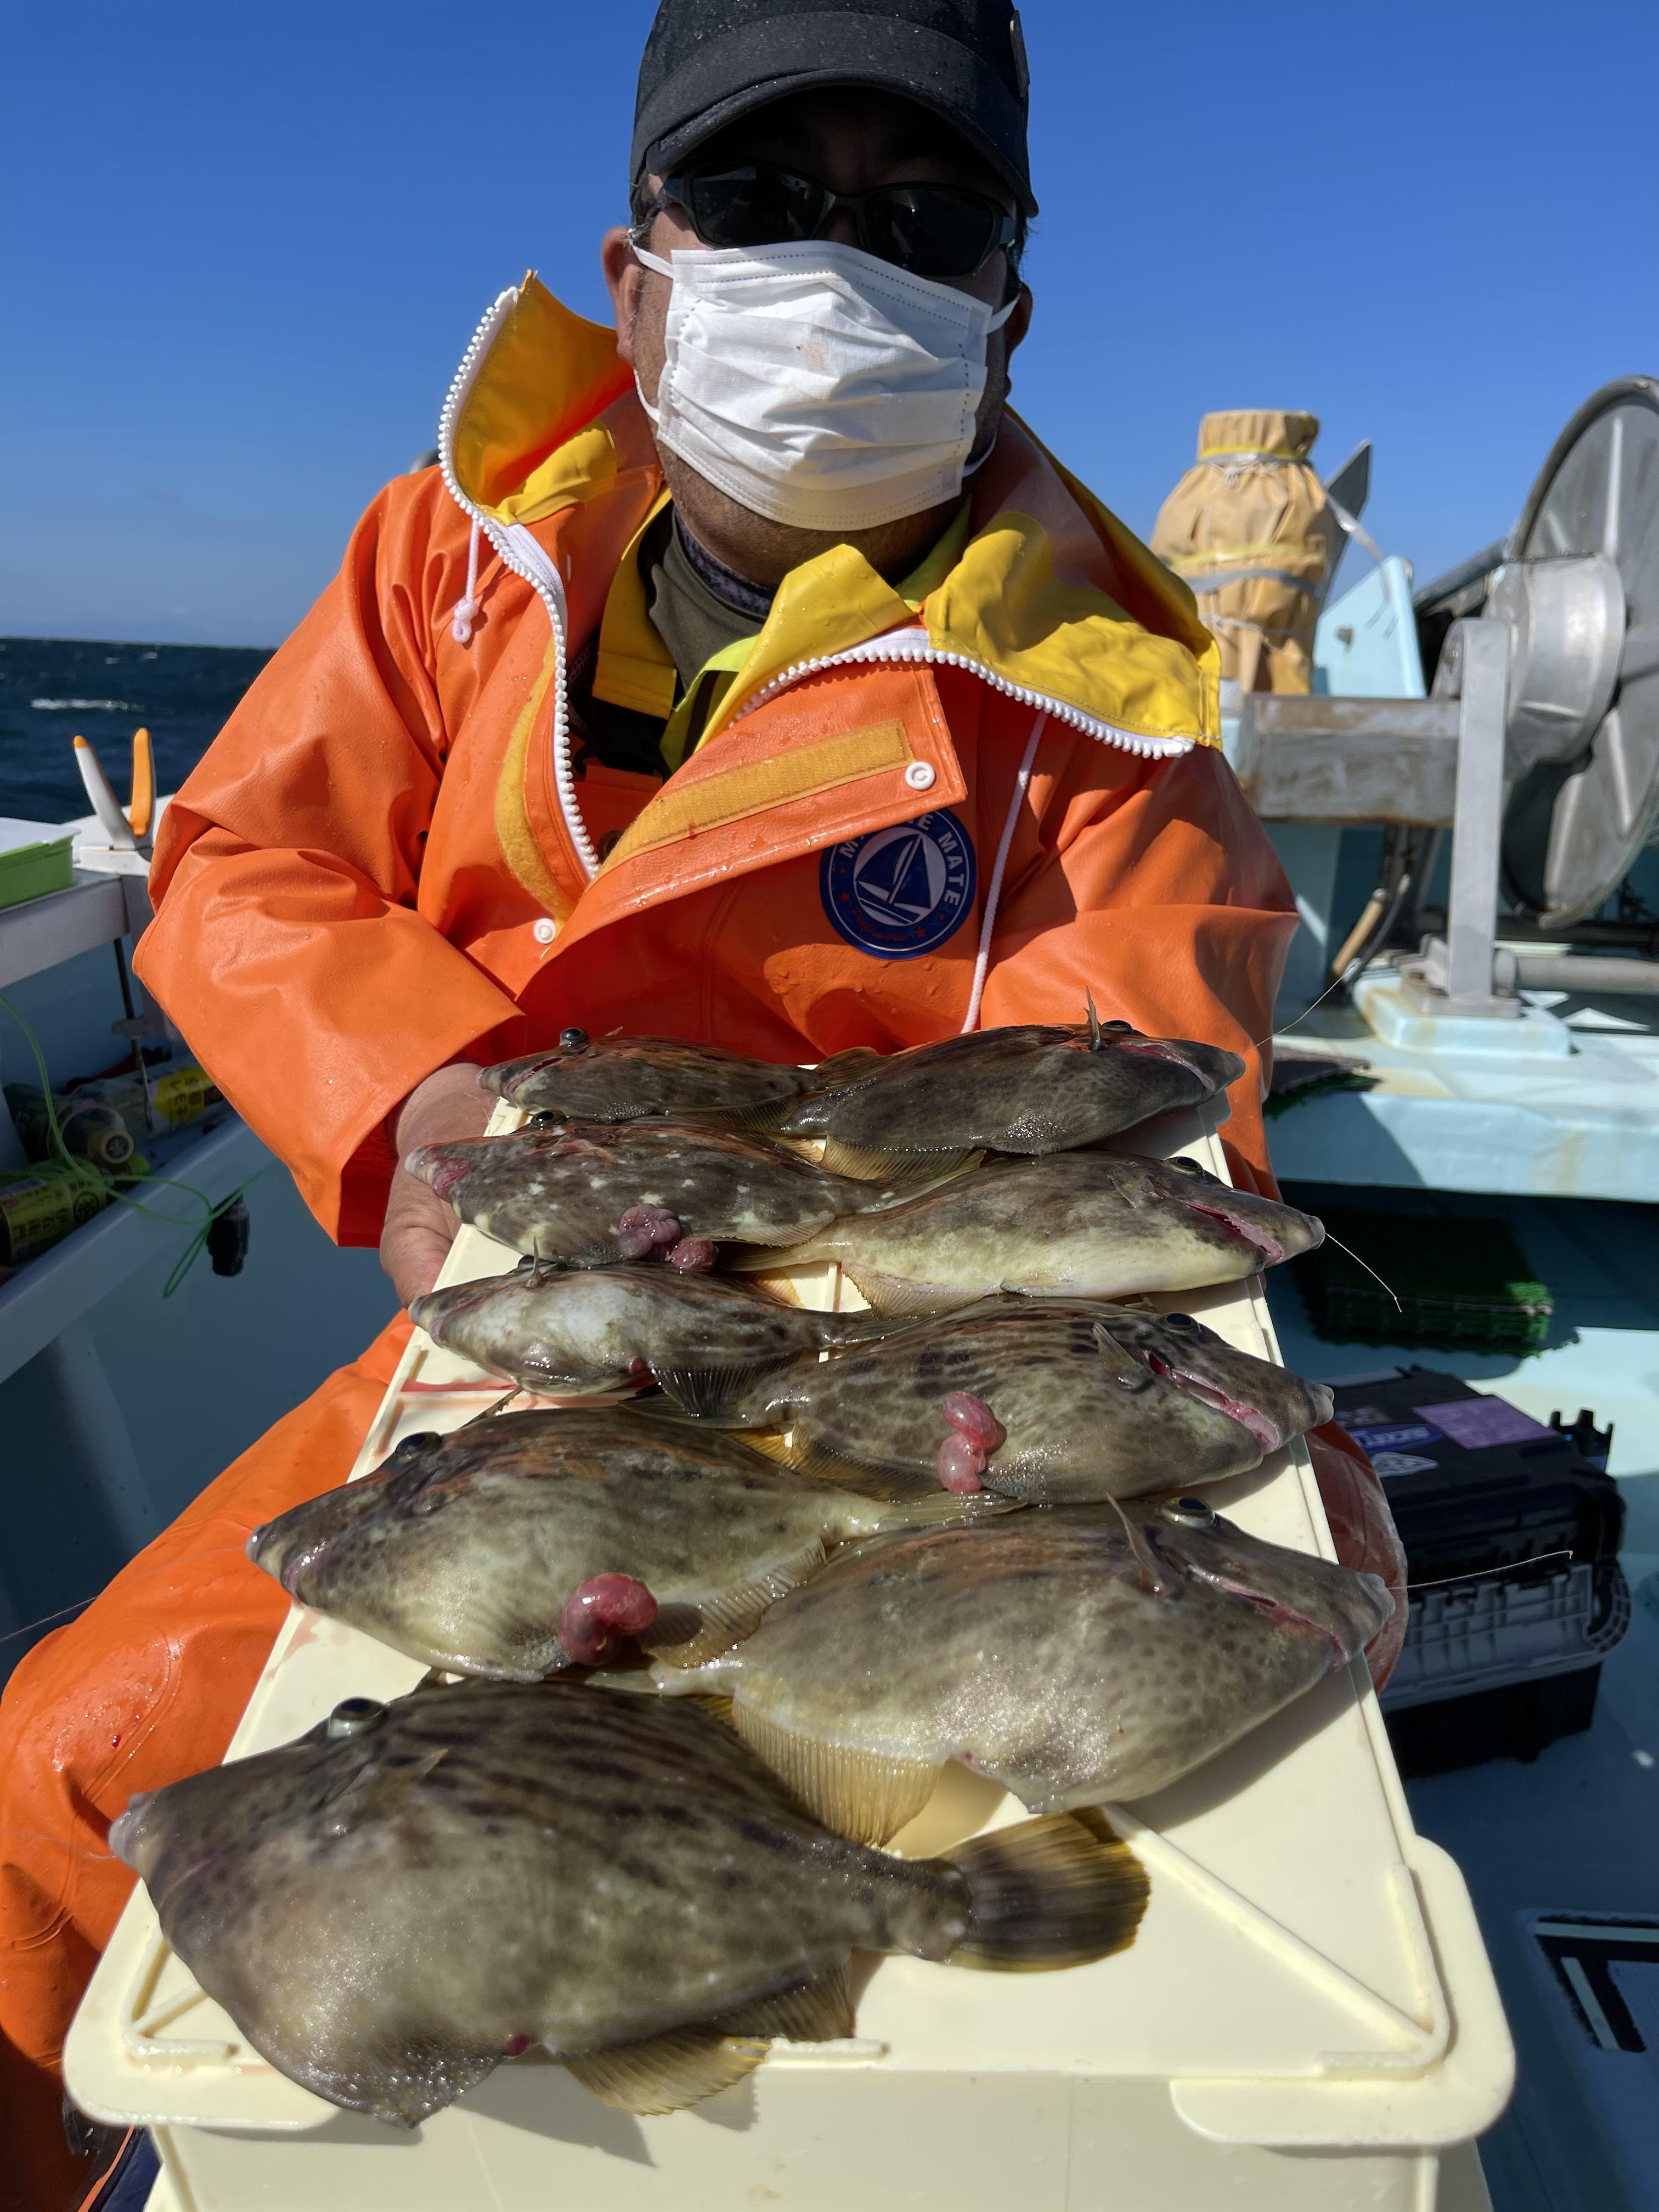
x: 527, y: 558
x: 460, y: 383
x: 910, y: 646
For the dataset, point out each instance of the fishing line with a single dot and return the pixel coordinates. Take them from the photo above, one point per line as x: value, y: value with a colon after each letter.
x: 219, y: 1552
x: 46, y: 1619
x: 83, y: 1172
x: 1513, y: 1568
x: 1365, y: 1264
x: 1338, y: 984
x: 1344, y: 977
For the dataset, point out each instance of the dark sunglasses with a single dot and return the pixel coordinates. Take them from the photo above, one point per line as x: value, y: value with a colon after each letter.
x: 931, y: 230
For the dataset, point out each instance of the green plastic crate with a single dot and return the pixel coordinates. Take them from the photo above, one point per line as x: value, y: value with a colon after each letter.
x: 1463, y: 1284
x: 35, y: 858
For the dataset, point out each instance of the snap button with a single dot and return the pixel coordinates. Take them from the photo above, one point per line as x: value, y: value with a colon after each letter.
x: 546, y: 931
x: 918, y: 776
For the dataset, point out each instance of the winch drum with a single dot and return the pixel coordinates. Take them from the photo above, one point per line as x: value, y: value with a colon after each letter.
x: 1578, y: 590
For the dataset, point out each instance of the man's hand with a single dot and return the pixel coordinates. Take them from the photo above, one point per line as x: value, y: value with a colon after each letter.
x: 419, y: 1227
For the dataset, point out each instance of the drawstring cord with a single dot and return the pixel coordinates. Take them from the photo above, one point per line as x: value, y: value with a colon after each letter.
x: 993, y: 897
x: 467, y: 609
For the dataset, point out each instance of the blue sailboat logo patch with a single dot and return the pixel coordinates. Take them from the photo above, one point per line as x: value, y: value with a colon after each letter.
x: 898, y: 893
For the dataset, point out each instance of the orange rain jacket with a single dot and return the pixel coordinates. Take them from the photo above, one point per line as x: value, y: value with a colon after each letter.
x: 395, y: 856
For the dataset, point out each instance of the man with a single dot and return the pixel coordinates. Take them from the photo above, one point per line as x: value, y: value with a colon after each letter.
x: 746, y: 673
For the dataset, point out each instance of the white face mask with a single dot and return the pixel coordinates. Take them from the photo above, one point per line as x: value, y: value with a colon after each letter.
x: 817, y: 384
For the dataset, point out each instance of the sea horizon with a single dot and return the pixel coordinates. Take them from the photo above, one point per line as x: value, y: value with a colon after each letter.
x: 54, y: 689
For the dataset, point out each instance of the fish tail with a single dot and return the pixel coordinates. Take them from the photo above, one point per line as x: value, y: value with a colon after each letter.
x: 1055, y: 1892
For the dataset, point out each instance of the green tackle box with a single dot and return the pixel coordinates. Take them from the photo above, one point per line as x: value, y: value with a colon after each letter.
x: 35, y: 858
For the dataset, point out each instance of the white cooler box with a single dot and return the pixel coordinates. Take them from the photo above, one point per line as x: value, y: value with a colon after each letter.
x: 1306, y: 2022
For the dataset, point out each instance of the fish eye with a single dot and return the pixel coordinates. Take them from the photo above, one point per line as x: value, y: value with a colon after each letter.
x: 1179, y: 1321
x: 354, y: 1717
x: 1185, y: 1167
x: 1120, y: 1028
x: 547, y: 1119
x: 410, y: 1445
x: 1193, y: 1511
x: 574, y: 1040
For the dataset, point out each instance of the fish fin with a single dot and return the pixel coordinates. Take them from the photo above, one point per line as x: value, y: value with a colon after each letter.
x: 892, y: 1164
x: 1055, y: 1892
x: 842, y: 1068
x: 736, y: 1613
x: 766, y: 1260
x: 771, y: 1444
x: 893, y: 1294
x: 708, y: 1393
x: 916, y: 1493
x: 942, y: 1509
x: 859, y: 1325
x: 763, y: 1121
x: 668, y: 2072
x: 860, y: 1794
x: 1120, y: 1363
x: 820, y: 2011
x: 717, y: 1707
x: 810, y: 1457
x: 375, y: 1789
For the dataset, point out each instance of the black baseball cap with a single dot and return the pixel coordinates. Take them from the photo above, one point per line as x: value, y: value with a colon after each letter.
x: 709, y: 63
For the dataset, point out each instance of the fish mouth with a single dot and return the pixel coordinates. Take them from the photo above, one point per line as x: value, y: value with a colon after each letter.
x: 1267, y: 1247
x: 141, y: 1844
x: 436, y: 1310
x: 125, y: 1832
x: 270, y: 1549
x: 1274, y: 1609
x: 1160, y: 1048
x: 1255, y: 1418
x: 436, y: 1164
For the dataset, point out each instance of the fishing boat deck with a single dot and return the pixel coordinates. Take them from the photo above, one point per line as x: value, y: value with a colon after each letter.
x: 1574, y: 1833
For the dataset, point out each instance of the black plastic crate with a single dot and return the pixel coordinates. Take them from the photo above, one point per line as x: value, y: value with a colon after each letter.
x: 1517, y: 1722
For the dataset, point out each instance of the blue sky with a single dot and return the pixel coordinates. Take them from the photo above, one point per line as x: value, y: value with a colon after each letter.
x: 256, y: 237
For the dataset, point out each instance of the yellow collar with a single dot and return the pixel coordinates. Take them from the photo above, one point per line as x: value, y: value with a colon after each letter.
x: 1045, y: 594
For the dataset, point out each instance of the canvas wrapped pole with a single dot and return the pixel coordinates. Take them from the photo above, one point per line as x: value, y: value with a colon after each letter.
x: 1249, y: 529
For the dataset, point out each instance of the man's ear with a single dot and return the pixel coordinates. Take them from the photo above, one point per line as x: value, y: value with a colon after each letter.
x: 622, y: 278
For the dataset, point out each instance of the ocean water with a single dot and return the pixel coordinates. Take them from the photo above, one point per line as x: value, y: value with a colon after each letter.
x: 54, y: 689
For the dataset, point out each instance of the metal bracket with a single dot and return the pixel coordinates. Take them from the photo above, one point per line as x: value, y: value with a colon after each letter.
x: 1455, y: 974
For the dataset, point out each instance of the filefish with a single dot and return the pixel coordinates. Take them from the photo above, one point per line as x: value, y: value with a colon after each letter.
x: 521, y: 1545
x: 1055, y: 1402
x: 699, y: 1337
x: 630, y: 1078
x: 1072, y: 1655
x: 1035, y: 1088
x: 586, y: 1195
x: 1091, y: 1225
x: 410, y: 1892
